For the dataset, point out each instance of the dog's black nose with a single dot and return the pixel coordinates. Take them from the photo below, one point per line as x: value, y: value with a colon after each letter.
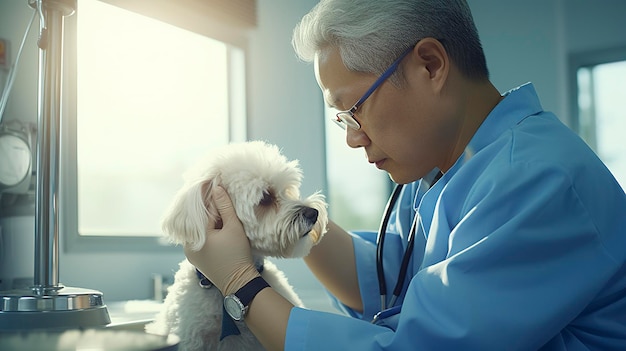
x: 310, y: 214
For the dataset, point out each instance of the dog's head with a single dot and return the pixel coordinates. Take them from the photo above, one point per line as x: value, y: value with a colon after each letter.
x: 265, y: 190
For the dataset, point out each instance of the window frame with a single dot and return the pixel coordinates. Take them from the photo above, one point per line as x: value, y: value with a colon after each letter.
x: 582, y: 60
x: 235, y: 39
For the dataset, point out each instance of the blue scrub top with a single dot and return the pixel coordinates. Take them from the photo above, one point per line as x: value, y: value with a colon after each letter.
x: 522, y: 246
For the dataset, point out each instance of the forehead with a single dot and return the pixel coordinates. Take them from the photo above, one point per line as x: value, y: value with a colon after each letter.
x: 334, y: 79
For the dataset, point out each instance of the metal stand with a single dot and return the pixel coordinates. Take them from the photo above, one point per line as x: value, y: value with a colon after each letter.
x: 49, y: 304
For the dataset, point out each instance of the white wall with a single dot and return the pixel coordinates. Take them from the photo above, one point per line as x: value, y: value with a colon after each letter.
x: 523, y: 41
x: 594, y: 25
x: 532, y: 40
x: 286, y: 106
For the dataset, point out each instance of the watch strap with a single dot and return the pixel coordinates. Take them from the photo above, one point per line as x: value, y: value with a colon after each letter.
x: 247, y: 293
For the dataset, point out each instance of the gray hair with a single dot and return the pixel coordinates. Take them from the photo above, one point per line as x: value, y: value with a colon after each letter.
x: 370, y: 34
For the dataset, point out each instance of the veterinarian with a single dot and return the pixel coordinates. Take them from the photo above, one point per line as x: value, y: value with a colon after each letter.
x: 518, y: 230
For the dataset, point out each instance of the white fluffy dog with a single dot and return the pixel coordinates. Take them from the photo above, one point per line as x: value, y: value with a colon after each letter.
x: 264, y: 188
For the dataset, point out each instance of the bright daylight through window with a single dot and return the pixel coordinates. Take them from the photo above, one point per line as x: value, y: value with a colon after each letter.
x: 151, y: 99
x: 602, y: 111
x: 357, y: 202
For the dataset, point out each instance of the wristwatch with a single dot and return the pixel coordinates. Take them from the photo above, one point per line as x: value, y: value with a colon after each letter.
x: 237, y: 304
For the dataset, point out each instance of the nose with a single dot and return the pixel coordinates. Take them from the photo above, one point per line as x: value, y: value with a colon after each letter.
x: 310, y: 214
x: 356, y: 138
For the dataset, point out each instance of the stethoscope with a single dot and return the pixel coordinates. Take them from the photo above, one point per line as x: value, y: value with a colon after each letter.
x: 406, y: 258
x: 380, y: 243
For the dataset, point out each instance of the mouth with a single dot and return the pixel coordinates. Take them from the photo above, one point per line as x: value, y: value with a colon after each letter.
x: 315, y: 236
x: 378, y: 164
x: 312, y: 233
x: 309, y: 230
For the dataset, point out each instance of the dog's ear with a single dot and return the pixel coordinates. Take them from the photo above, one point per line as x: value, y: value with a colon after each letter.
x: 190, y: 214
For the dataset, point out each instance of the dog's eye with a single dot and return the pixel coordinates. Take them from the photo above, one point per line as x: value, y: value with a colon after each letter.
x: 267, y: 199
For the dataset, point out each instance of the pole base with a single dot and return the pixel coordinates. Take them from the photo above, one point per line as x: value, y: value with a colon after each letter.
x: 65, y: 308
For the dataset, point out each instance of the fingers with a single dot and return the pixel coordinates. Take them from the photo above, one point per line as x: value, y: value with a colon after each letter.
x: 223, y: 204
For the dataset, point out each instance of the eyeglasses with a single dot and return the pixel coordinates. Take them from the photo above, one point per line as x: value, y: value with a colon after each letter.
x: 346, y: 118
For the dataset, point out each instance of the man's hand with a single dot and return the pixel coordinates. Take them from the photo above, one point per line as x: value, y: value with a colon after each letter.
x: 225, y: 259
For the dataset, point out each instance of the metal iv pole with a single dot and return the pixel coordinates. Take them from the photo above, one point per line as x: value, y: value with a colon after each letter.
x: 48, y: 304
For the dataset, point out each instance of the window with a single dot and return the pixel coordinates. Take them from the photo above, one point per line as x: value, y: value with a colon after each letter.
x: 602, y: 113
x: 357, y: 191
x: 152, y: 98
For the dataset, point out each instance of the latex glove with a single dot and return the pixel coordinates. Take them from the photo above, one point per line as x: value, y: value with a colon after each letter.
x: 225, y: 259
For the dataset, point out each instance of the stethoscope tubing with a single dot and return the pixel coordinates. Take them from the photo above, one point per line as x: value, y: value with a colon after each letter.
x: 406, y: 258
x: 380, y: 243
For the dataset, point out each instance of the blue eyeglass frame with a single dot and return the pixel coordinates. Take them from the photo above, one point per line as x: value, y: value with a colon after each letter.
x: 346, y: 118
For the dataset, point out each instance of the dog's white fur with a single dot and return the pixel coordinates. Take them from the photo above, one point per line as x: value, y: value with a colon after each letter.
x: 264, y: 188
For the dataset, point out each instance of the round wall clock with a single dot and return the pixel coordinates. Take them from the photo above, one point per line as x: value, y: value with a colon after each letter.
x: 15, y: 158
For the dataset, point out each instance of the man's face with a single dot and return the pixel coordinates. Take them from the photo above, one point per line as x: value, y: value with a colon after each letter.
x: 403, y: 129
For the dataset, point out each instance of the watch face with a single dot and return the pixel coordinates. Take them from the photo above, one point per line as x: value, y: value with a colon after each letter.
x: 234, y: 307
x: 15, y: 159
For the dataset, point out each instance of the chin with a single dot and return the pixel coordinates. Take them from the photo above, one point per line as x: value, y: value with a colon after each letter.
x: 402, y: 178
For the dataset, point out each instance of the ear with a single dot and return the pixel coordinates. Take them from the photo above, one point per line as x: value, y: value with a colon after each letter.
x: 188, y: 217
x: 432, y: 56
